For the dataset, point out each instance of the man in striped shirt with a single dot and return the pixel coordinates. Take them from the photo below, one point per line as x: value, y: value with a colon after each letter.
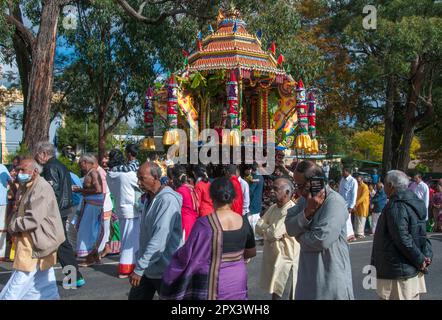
x: 132, y: 163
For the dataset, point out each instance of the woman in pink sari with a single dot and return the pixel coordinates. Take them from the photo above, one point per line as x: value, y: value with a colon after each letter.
x: 189, y: 209
x: 437, y: 208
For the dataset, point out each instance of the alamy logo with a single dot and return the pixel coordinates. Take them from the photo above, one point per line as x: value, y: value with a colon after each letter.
x: 70, y: 17
x: 70, y: 279
x: 370, y: 21
x: 208, y: 152
x: 369, y: 281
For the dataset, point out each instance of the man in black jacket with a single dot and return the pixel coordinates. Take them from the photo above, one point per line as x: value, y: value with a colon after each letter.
x: 401, y: 251
x: 59, y: 178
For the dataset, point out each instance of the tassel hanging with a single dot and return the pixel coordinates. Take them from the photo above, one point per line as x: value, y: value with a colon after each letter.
x: 171, y: 136
x: 303, y: 141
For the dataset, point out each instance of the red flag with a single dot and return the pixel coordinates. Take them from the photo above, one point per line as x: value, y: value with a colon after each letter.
x: 273, y: 47
x: 280, y: 59
x: 185, y: 53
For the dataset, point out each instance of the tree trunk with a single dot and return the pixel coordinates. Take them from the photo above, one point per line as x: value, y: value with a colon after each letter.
x: 398, y: 129
x: 404, y: 150
x: 23, y: 57
x: 387, y: 155
x: 36, y: 126
x: 415, y: 87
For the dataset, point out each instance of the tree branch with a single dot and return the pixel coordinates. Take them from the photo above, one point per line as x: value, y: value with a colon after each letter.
x: 155, y: 21
x: 64, y: 2
x: 124, y: 111
x: 24, y: 33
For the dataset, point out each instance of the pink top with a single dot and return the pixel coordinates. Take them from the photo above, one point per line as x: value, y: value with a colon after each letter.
x: 102, y: 173
x: 205, y: 203
x: 189, y: 209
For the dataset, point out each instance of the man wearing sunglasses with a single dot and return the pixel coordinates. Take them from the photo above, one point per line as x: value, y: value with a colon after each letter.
x: 318, y: 222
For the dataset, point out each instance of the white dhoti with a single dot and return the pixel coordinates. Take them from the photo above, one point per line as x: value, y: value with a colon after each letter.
x: 130, y: 234
x: 36, y: 285
x: 107, y: 209
x: 350, y: 232
x: 374, y: 221
x: 407, y: 289
x: 3, y: 232
x: 106, y: 234
x: 253, y: 220
x: 360, y: 225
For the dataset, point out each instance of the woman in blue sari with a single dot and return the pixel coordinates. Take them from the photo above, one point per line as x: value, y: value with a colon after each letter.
x: 211, y: 265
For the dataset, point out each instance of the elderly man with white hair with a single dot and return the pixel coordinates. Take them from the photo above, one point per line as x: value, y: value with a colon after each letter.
x: 401, y: 251
x: 58, y: 176
x: 37, y: 227
x: 281, y: 251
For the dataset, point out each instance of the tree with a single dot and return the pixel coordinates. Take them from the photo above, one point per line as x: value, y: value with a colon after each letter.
x: 368, y: 145
x: 36, y: 52
x: 80, y: 134
x: 401, y: 60
x: 112, y: 67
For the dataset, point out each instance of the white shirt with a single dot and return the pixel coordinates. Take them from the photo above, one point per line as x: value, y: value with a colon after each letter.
x: 245, y: 196
x: 422, y: 191
x: 348, y: 189
x: 123, y: 186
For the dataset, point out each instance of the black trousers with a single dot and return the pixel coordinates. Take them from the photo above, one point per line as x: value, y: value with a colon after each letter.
x: 65, y: 252
x: 146, y: 290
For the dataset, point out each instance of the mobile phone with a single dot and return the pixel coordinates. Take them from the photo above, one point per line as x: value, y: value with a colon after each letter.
x: 316, y: 185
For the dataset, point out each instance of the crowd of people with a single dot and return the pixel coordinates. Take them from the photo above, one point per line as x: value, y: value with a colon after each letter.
x: 188, y: 231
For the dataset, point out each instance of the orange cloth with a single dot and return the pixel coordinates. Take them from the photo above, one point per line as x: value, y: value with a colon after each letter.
x: 23, y: 256
x: 362, y: 201
x: 205, y: 203
x: 238, y: 202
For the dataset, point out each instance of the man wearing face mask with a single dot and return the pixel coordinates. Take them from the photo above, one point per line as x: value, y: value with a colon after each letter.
x: 281, y: 252
x: 58, y: 176
x: 38, y: 230
x: 318, y: 223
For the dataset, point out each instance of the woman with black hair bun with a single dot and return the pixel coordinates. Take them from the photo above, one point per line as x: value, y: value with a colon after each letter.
x: 189, y: 209
x: 211, y: 263
x: 202, y: 188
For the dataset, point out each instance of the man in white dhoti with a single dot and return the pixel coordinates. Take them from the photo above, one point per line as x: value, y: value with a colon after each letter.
x: 5, y: 178
x: 348, y: 189
x: 90, y: 222
x: 38, y: 230
x: 281, y: 252
x: 124, y: 188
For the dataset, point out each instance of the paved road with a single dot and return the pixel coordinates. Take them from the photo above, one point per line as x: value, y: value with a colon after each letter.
x: 102, y: 282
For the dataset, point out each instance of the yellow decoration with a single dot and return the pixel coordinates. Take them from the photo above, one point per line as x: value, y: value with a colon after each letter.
x: 170, y: 137
x: 303, y: 142
x: 185, y: 103
x: 12, y: 252
x: 148, y: 144
x: 287, y: 104
x: 315, y: 146
x: 235, y: 138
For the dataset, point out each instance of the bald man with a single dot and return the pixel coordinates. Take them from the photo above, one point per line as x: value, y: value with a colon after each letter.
x: 160, y: 233
x: 281, y: 252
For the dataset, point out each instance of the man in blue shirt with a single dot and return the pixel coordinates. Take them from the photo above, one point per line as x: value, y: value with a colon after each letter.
x: 375, y: 177
x: 5, y: 178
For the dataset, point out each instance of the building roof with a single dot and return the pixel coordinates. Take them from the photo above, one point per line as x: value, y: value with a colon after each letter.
x: 231, y: 46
